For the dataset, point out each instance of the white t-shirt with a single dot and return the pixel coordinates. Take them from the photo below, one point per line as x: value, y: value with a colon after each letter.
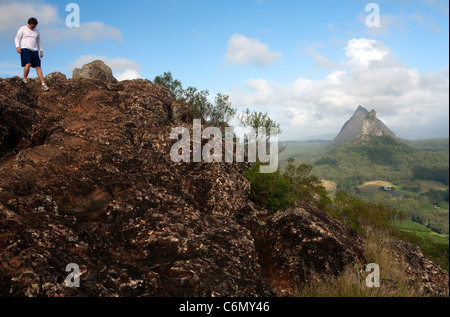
x: 29, y: 39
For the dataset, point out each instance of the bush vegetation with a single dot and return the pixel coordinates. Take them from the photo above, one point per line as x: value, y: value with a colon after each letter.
x: 215, y: 114
x: 373, y: 220
x: 394, y: 281
x: 279, y: 191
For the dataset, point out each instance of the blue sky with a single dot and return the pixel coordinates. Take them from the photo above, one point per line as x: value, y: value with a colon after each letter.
x: 308, y: 63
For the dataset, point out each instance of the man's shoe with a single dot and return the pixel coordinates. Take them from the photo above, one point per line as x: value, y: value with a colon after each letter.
x: 45, y: 88
x: 24, y: 80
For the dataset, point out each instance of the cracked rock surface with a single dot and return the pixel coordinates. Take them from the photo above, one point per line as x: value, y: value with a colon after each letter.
x: 86, y: 178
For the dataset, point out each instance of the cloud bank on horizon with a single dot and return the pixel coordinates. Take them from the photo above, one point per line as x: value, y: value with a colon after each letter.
x: 370, y: 76
x: 309, y: 65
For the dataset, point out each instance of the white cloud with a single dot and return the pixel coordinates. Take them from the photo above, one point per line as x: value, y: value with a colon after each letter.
x: 128, y: 74
x: 324, y: 62
x: 410, y: 103
x: 244, y: 51
x: 14, y: 14
x: 319, y: 60
x: 362, y: 52
x: 87, y: 32
x: 123, y: 69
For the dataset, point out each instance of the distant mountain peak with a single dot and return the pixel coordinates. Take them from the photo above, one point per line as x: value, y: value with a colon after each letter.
x: 372, y: 116
x: 362, y: 122
x: 361, y: 108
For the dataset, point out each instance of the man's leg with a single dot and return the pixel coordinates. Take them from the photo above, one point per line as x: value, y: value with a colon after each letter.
x: 40, y: 74
x: 26, y: 71
x: 41, y: 77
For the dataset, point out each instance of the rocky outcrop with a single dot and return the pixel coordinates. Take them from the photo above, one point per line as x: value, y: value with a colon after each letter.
x: 372, y: 126
x: 362, y: 122
x: 95, y: 70
x: 430, y: 278
x: 95, y: 186
x: 298, y: 243
x: 86, y: 178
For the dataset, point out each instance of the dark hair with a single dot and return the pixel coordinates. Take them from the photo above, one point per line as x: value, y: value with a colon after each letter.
x: 33, y: 21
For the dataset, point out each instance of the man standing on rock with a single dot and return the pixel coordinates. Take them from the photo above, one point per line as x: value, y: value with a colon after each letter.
x: 28, y: 45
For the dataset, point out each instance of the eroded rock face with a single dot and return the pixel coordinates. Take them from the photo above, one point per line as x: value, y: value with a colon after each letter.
x: 432, y: 279
x: 15, y: 125
x: 296, y: 243
x: 86, y: 178
x: 371, y: 125
x: 98, y: 188
x: 95, y: 70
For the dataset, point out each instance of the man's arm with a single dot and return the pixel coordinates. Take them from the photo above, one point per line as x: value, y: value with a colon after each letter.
x: 39, y: 45
x: 18, y: 39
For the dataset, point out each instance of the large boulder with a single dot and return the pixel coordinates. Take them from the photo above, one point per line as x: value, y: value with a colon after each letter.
x: 431, y: 279
x: 295, y: 244
x: 95, y: 70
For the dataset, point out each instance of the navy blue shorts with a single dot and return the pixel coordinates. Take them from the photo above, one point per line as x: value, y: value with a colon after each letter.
x: 30, y: 57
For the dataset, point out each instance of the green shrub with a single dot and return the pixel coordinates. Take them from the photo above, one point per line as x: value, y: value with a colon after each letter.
x: 269, y: 191
x: 360, y: 214
x: 305, y: 186
x: 279, y: 191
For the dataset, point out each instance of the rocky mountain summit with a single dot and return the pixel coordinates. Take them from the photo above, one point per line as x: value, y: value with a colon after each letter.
x: 86, y: 178
x: 363, y: 123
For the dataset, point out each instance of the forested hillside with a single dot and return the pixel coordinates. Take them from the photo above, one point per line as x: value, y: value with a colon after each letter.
x: 379, y: 158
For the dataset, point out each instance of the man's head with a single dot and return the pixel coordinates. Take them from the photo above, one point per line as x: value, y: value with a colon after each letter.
x: 32, y: 22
